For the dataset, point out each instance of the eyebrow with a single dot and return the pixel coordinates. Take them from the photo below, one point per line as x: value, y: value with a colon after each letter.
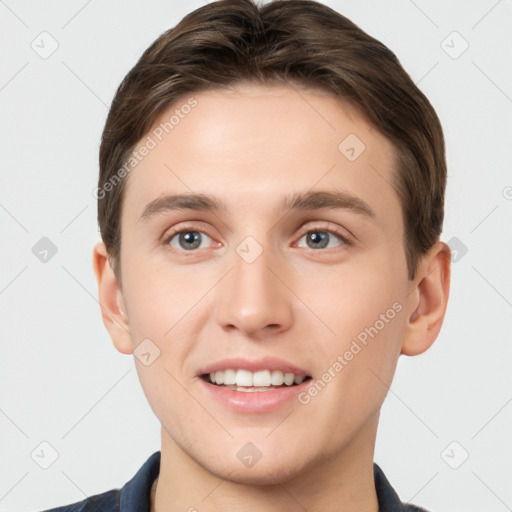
x: 299, y: 201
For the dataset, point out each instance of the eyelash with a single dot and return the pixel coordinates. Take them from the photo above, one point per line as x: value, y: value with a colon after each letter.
x: 316, y: 229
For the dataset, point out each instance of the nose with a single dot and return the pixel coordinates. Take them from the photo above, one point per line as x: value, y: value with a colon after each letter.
x: 254, y: 298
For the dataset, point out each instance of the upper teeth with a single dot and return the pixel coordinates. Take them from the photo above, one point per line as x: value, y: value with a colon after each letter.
x: 261, y: 378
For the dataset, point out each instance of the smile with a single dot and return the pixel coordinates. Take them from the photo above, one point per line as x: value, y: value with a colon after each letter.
x: 247, y: 381
x: 257, y: 386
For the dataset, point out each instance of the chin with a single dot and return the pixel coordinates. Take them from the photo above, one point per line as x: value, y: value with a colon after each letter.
x: 269, y: 474
x: 271, y: 469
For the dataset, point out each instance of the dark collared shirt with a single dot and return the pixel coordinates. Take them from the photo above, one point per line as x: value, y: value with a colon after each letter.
x: 135, y: 494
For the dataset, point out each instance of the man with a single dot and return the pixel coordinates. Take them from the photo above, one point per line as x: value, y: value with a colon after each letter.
x: 270, y: 202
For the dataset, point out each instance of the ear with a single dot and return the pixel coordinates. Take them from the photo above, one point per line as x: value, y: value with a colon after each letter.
x: 113, y: 310
x: 426, y: 305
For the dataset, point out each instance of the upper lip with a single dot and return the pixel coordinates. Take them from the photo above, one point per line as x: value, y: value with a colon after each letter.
x: 266, y: 363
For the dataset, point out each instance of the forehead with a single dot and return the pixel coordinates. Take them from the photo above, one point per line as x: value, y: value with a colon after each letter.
x: 252, y: 144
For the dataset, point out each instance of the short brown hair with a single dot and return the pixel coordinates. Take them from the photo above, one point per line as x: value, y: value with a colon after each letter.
x: 230, y: 41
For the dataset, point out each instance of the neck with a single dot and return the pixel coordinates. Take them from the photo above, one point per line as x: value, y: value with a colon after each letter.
x: 341, y: 481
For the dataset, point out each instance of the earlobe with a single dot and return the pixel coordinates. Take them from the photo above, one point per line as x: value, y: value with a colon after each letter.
x: 427, y: 302
x: 113, y: 310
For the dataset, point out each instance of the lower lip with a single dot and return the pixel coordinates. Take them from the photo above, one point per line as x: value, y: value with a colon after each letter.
x: 254, y: 401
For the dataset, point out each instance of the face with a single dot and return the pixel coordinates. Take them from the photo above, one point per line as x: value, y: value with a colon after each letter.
x: 284, y: 263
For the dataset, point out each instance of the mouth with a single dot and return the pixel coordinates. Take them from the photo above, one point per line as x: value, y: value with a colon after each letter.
x: 251, y: 386
x: 239, y: 379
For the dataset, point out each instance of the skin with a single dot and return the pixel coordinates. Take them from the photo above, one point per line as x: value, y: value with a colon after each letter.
x: 249, y: 146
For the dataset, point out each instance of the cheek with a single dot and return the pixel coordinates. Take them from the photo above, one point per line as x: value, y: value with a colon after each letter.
x: 160, y: 299
x: 363, y: 325
x: 162, y: 386
x: 348, y: 300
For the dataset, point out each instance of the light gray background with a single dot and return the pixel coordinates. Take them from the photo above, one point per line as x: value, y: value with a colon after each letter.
x: 61, y: 379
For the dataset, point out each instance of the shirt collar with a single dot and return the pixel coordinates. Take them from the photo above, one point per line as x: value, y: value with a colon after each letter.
x: 135, y: 494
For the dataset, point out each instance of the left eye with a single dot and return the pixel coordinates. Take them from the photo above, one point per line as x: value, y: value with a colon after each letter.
x: 188, y: 240
x: 320, y: 239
